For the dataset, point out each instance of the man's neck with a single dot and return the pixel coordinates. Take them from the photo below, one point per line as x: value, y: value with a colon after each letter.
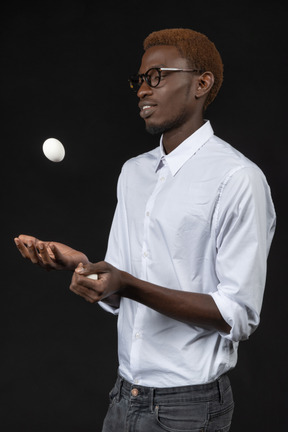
x: 173, y: 138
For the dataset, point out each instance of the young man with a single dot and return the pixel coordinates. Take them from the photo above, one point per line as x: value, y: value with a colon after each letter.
x: 186, y: 261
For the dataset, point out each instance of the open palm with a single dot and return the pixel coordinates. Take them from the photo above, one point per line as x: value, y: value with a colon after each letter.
x: 48, y: 254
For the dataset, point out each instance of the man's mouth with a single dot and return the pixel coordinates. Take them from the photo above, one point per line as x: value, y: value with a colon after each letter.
x: 146, y: 110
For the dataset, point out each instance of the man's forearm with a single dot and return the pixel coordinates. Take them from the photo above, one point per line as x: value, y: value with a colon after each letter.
x: 193, y: 308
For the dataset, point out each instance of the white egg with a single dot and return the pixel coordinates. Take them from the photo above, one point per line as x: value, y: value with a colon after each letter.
x: 93, y: 276
x: 54, y: 150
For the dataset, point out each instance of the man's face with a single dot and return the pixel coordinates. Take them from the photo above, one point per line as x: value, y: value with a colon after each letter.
x: 172, y: 103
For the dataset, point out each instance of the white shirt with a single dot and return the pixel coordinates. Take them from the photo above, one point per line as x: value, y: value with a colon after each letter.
x: 199, y: 219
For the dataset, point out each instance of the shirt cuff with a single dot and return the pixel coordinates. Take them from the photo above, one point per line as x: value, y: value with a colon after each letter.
x: 108, y: 308
x: 242, y: 320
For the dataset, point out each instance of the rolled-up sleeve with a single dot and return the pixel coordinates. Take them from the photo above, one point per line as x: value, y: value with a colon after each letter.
x: 244, y: 231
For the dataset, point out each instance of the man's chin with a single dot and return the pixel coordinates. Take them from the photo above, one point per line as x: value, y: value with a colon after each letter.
x: 155, y: 129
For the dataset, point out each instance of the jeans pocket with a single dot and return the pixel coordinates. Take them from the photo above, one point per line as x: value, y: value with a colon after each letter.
x: 113, y: 395
x: 220, y: 421
x: 182, y: 418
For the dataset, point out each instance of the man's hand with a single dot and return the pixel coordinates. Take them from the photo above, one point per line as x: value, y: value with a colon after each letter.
x: 49, y: 255
x: 107, y: 285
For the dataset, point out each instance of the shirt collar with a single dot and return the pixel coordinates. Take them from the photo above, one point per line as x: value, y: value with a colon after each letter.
x: 176, y: 159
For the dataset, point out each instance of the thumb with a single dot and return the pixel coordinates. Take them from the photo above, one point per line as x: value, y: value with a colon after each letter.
x: 84, y: 270
x: 80, y: 269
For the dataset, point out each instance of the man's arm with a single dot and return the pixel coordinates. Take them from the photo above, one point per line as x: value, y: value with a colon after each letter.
x: 55, y: 256
x: 188, y: 307
x: 49, y: 255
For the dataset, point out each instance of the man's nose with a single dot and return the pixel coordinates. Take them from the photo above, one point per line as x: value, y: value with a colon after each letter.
x: 144, y: 90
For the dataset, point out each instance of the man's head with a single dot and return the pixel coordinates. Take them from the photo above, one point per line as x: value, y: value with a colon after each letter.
x: 180, y: 74
x: 199, y: 51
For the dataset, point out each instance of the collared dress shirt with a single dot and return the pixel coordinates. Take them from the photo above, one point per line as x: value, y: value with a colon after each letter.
x: 199, y: 219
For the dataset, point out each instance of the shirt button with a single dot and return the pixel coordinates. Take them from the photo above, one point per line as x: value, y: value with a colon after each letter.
x: 147, y: 213
x: 145, y: 254
x: 162, y: 179
x: 134, y: 392
x: 137, y: 335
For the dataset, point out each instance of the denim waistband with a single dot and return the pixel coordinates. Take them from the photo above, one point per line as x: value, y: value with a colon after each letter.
x: 183, y: 394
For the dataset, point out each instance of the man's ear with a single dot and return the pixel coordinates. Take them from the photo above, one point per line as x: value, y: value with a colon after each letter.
x: 204, y: 84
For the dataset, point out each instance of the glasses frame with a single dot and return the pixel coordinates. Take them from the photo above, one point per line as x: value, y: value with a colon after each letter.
x: 135, y: 85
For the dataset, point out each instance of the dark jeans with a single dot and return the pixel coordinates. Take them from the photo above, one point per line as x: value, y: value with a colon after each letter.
x: 200, y: 408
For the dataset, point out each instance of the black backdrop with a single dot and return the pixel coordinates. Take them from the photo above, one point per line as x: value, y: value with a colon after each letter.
x: 64, y: 69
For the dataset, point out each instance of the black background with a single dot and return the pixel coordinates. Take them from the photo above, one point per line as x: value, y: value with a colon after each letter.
x: 64, y: 69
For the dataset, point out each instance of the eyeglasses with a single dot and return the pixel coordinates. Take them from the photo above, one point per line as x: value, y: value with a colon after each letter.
x: 153, y: 77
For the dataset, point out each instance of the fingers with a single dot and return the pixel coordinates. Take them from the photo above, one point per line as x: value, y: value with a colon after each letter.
x: 90, y: 290
x: 54, y: 252
x: 84, y: 270
x: 108, y: 282
x: 26, y: 238
x: 84, y: 293
x: 33, y: 253
x: 35, y: 250
x: 20, y: 246
x: 45, y: 254
x: 26, y: 247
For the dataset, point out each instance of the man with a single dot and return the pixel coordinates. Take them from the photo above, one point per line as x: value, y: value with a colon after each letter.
x: 186, y: 261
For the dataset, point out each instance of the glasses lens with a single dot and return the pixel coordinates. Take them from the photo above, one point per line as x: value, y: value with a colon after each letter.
x: 153, y: 77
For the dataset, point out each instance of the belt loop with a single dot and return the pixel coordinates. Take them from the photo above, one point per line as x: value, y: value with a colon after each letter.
x: 120, y: 388
x: 152, y: 390
x: 220, y: 388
